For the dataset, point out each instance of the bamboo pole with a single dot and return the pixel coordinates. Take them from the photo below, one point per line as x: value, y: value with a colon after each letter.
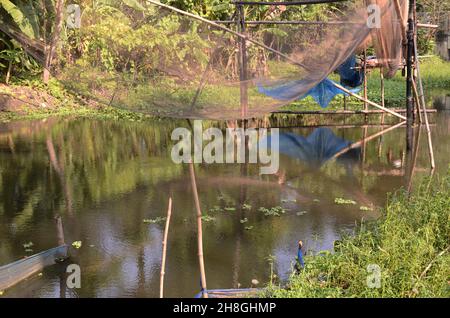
x: 199, y: 231
x: 366, y: 107
x: 164, y: 249
x: 428, y: 26
x: 424, y: 109
x: 418, y: 102
x: 409, y: 77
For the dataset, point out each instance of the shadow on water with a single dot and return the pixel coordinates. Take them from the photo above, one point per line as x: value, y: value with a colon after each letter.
x: 106, y: 177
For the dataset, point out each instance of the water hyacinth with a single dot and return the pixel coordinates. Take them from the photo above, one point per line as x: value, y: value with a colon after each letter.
x: 344, y: 201
x: 157, y: 220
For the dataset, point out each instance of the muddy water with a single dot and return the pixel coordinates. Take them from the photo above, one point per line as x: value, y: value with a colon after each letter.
x: 106, y: 177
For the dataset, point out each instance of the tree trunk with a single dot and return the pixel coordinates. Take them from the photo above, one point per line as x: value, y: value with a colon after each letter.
x: 50, y: 49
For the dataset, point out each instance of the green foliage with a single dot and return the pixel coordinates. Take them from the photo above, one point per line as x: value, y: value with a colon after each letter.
x: 410, y: 243
x: 115, y: 44
x: 211, y: 9
x: 19, y: 16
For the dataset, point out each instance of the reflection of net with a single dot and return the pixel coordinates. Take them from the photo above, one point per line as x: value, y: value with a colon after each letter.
x: 155, y: 60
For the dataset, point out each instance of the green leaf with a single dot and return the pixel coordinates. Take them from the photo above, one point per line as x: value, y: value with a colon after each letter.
x: 19, y: 17
x: 77, y: 244
x: 344, y: 201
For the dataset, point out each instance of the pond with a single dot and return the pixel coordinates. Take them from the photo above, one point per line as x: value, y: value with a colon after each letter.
x: 111, y: 180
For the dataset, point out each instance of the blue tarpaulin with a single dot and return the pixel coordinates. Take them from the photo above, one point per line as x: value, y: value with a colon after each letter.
x: 350, y: 76
x: 323, y: 92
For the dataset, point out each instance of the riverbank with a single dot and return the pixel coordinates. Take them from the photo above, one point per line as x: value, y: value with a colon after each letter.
x: 31, y: 99
x: 409, y: 244
x: 34, y: 100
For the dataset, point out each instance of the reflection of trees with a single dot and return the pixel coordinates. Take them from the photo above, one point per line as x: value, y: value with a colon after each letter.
x: 59, y: 168
x: 55, y: 166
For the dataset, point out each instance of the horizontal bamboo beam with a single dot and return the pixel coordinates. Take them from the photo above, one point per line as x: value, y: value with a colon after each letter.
x: 427, y: 26
x: 344, y: 112
x: 288, y: 22
x: 283, y: 3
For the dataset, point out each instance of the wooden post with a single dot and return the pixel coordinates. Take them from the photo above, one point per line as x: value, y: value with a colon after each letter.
x: 59, y: 230
x: 409, y: 80
x: 243, y: 63
x: 382, y: 93
x: 199, y: 231
x: 164, y: 248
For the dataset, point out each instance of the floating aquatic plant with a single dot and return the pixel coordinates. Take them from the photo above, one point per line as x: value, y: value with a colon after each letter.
x: 244, y: 220
x: 230, y: 209
x: 215, y: 209
x: 77, y: 244
x: 300, y: 213
x: 344, y: 201
x: 157, y: 220
x: 208, y: 218
x: 27, y: 247
x: 365, y: 208
x: 248, y: 228
x: 275, y: 211
x: 246, y: 206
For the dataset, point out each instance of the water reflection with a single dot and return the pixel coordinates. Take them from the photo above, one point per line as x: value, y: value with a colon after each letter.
x: 106, y: 177
x: 317, y: 148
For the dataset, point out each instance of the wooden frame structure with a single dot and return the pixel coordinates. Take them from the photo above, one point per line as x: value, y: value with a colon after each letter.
x: 415, y: 104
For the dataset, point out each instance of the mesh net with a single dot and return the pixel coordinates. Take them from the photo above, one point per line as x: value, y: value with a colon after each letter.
x: 151, y: 58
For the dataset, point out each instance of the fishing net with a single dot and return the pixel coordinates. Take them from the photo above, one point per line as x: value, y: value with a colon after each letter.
x: 147, y: 57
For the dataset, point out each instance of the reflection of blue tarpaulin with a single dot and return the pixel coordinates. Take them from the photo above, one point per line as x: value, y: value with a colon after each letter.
x: 316, y: 149
x: 323, y: 92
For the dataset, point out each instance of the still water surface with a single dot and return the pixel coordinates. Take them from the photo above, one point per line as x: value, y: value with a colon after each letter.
x: 106, y: 177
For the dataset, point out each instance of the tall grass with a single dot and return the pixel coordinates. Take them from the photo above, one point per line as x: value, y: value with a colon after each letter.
x: 410, y: 244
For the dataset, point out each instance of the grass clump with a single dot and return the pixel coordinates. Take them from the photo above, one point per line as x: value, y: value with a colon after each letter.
x: 409, y: 244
